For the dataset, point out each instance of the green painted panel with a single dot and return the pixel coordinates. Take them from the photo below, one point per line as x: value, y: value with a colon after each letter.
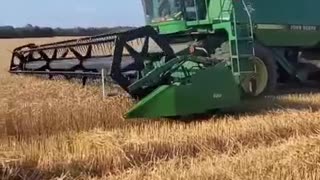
x: 171, y: 26
x: 304, y: 12
x: 208, y: 91
x: 283, y: 23
x: 288, y: 38
x: 218, y: 9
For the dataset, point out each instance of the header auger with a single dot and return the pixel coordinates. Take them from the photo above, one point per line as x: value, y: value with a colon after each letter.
x: 193, y: 56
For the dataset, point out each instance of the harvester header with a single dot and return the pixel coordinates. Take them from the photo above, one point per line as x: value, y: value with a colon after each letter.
x: 193, y: 56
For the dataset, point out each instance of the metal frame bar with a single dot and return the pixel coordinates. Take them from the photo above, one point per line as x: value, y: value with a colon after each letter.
x: 100, y: 46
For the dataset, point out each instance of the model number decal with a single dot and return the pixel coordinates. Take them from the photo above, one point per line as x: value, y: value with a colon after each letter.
x: 217, y: 96
x: 303, y: 28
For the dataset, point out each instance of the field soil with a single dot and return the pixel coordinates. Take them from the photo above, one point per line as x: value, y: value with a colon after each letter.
x: 54, y: 129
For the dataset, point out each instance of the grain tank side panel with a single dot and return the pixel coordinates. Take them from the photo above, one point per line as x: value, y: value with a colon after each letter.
x: 285, y: 22
x: 288, y: 38
x: 286, y: 11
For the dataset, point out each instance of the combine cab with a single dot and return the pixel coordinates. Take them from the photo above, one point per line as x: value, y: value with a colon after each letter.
x: 193, y: 56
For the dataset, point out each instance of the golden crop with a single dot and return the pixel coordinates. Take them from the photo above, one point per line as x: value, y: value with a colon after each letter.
x: 59, y: 130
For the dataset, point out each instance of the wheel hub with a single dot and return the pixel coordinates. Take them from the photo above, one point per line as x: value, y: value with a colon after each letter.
x: 256, y: 83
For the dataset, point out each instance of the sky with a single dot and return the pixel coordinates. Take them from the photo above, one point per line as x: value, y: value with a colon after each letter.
x: 71, y: 13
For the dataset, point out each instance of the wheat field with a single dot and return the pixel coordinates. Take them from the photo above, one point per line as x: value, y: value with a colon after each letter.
x: 60, y: 130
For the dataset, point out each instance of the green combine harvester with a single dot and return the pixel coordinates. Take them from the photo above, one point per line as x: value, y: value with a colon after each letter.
x: 193, y: 56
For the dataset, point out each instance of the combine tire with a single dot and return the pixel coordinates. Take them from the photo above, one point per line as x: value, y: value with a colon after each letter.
x: 266, y: 81
x: 269, y: 66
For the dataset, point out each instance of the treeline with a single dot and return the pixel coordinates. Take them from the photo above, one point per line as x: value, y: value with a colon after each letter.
x: 35, y: 31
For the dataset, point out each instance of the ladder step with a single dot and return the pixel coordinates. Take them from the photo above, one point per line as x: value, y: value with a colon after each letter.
x: 245, y: 55
x: 250, y: 39
x: 242, y: 56
x: 245, y: 39
x: 243, y: 25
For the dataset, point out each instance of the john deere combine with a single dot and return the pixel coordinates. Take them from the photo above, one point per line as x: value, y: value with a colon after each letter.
x: 193, y: 56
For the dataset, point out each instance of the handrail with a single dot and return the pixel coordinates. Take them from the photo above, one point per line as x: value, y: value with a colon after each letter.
x: 250, y: 21
x: 231, y: 10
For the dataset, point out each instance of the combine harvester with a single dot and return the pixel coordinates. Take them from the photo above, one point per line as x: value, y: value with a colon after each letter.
x: 193, y: 56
